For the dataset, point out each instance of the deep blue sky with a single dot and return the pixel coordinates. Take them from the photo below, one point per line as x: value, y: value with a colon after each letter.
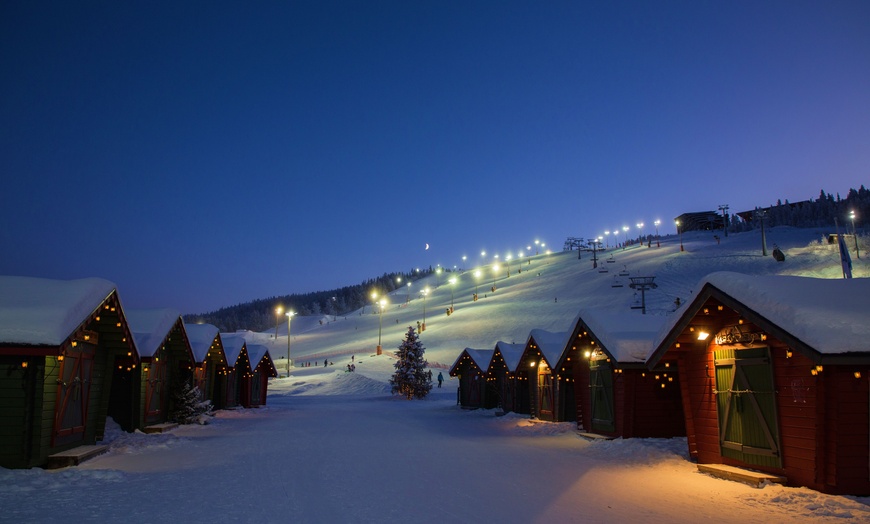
x: 202, y: 154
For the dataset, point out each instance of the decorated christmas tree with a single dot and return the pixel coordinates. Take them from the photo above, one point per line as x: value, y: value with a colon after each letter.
x: 189, y: 406
x: 411, y: 378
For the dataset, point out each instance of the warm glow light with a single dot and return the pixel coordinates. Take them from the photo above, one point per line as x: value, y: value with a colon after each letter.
x: 24, y: 364
x: 532, y: 364
x: 702, y: 335
x: 857, y: 373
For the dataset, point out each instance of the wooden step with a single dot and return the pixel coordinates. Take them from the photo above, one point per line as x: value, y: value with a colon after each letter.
x: 593, y: 436
x: 160, y: 428
x: 747, y: 476
x: 74, y: 456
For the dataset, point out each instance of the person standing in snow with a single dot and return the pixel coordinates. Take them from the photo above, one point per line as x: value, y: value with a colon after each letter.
x: 325, y: 362
x: 440, y: 379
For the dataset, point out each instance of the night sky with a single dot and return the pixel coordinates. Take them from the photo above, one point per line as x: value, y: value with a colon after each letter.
x: 203, y: 154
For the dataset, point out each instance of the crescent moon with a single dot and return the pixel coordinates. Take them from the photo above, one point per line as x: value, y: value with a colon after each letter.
x: 427, y: 246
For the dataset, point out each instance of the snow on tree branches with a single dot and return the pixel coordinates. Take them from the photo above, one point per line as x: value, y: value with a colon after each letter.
x: 189, y: 407
x: 411, y: 378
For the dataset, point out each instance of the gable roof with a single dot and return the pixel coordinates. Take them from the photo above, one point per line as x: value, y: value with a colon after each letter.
x: 511, y: 353
x: 45, y: 312
x: 551, y: 345
x: 260, y: 353
x: 150, y: 327
x: 480, y: 357
x: 233, y: 345
x: 826, y: 319
x: 626, y: 337
x: 201, y: 337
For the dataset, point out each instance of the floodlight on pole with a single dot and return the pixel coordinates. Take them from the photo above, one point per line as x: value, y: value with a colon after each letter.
x: 680, y: 231
x: 278, y: 311
x: 854, y: 233
x: 381, y: 303
x: 289, y: 316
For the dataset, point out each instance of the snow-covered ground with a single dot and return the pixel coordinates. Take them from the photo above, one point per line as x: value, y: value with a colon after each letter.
x: 333, y: 446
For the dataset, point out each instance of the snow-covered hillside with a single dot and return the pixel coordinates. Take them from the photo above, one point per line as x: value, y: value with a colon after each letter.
x: 548, y: 292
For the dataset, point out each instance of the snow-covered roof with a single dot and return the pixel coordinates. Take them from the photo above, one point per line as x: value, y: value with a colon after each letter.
x: 45, y: 312
x: 233, y: 345
x: 256, y: 353
x: 626, y: 336
x: 150, y: 328
x: 200, y: 337
x: 511, y: 353
x: 551, y: 345
x: 832, y: 316
x: 480, y: 357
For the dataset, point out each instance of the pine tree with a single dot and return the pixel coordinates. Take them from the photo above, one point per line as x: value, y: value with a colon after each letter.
x: 411, y: 379
x: 189, y: 407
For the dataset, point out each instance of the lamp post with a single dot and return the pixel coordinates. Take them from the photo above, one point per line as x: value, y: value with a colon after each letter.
x: 854, y: 233
x: 278, y: 311
x: 425, y: 292
x: 495, y: 270
x: 537, y: 242
x: 381, y: 303
x: 606, y: 239
x: 374, y: 299
x: 658, y: 242
x: 680, y: 231
x: 289, y: 316
x: 452, y: 281
x: 625, y: 230
x: 409, y: 294
x: 640, y: 232
x: 476, y: 282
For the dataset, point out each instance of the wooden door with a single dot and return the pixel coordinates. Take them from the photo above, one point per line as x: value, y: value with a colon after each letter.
x: 73, y: 394
x: 746, y: 404
x: 601, y: 395
x: 545, y: 393
x: 155, y: 391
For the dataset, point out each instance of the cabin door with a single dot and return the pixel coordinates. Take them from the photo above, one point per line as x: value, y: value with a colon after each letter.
x: 256, y: 388
x: 73, y: 393
x: 601, y: 395
x: 474, y: 391
x: 155, y: 390
x: 746, y: 403
x: 545, y: 393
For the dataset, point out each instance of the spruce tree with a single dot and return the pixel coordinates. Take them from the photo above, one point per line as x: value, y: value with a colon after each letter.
x: 411, y: 379
x: 189, y: 406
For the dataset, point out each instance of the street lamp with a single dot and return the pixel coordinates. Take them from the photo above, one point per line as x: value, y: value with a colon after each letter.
x: 374, y: 299
x: 625, y: 230
x: 381, y: 303
x: 409, y: 293
x: 452, y: 281
x: 680, y: 231
x: 476, y: 282
x: 289, y: 316
x: 640, y: 232
x: 507, y: 259
x: 278, y: 311
x: 854, y: 233
x: 658, y: 243
x: 607, y: 239
x: 495, y: 270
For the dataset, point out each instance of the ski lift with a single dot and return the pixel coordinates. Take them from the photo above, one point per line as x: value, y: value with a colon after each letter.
x: 610, y: 260
x: 616, y: 282
x: 624, y: 272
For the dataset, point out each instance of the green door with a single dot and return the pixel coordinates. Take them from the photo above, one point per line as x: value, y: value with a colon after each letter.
x: 746, y: 403
x: 601, y: 395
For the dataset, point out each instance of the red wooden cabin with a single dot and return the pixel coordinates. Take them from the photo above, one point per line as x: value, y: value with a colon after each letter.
x: 501, y: 374
x: 615, y: 394
x: 470, y: 368
x: 236, y: 375
x: 59, y: 341
x: 541, y: 391
x: 262, y: 369
x: 209, y: 360
x: 774, y: 375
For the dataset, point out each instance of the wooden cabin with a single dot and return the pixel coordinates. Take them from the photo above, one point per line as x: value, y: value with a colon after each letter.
x: 774, y: 375
x: 234, y: 382
x: 470, y: 368
x: 501, y: 374
x: 208, y: 358
x: 538, y: 386
x: 167, y: 362
x: 615, y: 394
x: 263, y: 368
x: 59, y: 341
